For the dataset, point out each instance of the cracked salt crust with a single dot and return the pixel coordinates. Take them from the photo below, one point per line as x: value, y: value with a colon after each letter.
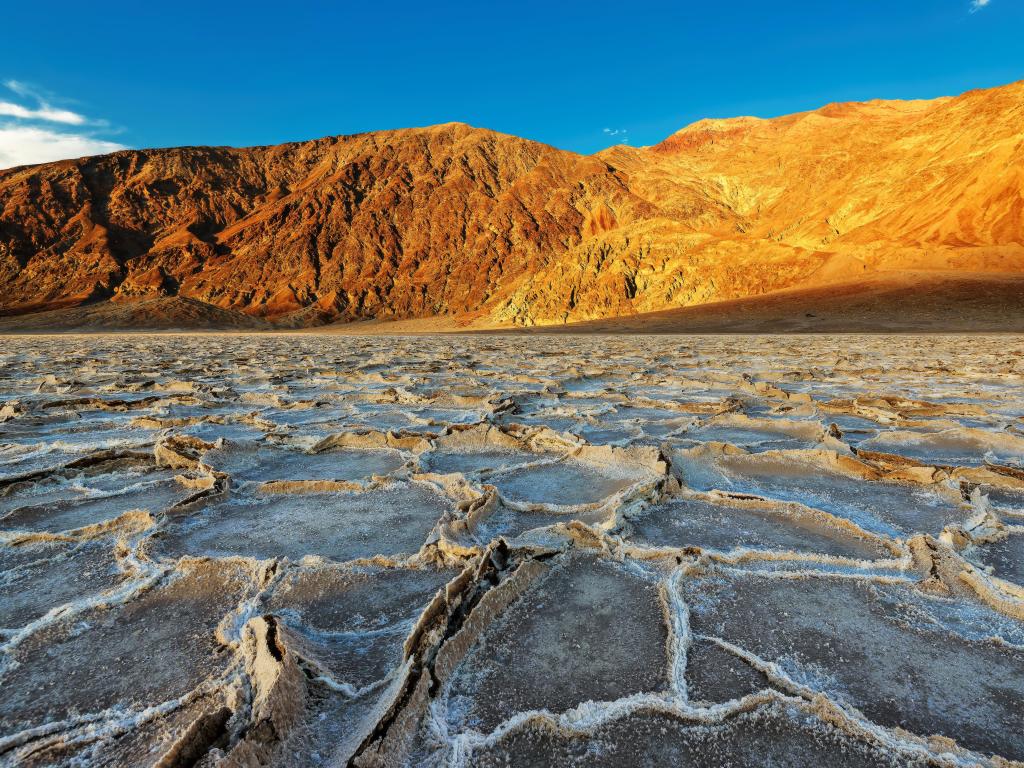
x: 314, y: 550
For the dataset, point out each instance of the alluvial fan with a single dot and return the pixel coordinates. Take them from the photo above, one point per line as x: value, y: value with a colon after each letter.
x: 317, y: 550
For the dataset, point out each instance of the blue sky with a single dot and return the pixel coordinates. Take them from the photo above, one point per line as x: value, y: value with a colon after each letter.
x: 79, y: 77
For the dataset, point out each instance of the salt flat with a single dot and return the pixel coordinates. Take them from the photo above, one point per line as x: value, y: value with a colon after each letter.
x: 234, y: 549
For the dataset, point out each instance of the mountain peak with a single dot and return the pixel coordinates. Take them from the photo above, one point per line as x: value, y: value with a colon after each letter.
x: 453, y: 219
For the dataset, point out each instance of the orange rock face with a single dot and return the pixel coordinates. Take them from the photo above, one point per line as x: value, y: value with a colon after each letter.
x: 453, y: 220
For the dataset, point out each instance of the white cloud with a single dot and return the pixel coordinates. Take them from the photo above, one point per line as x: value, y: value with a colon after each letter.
x: 44, y: 112
x: 26, y: 145
x: 25, y: 138
x: 19, y: 88
x: 621, y: 133
x: 977, y: 5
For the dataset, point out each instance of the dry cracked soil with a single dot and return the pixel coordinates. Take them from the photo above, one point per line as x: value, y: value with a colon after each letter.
x: 304, y: 550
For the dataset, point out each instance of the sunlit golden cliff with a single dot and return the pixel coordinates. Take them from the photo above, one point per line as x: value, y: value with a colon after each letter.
x: 454, y: 220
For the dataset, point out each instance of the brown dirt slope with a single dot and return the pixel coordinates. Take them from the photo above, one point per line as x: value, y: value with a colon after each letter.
x: 906, y: 303
x: 157, y: 314
x: 489, y: 228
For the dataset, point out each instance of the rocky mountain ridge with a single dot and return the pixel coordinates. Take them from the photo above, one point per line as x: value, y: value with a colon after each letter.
x: 452, y: 220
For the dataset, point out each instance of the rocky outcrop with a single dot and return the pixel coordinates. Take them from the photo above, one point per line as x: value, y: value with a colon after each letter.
x: 454, y: 220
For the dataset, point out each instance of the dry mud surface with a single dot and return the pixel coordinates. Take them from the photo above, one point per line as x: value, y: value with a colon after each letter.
x: 445, y: 551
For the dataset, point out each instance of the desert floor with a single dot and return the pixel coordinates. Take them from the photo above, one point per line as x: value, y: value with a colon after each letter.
x: 325, y: 549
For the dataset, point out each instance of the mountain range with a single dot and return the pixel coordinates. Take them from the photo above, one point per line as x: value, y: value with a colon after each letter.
x: 483, y: 229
